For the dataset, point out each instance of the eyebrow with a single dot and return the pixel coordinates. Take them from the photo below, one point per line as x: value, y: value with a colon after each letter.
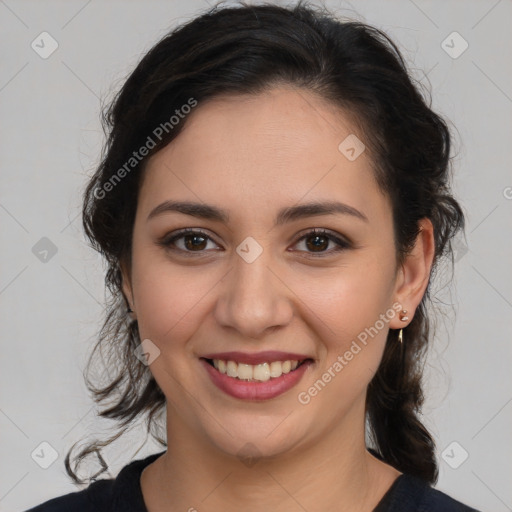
x: 287, y: 214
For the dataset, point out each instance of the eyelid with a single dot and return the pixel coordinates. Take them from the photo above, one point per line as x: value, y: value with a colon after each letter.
x: 342, y: 243
x: 167, y: 239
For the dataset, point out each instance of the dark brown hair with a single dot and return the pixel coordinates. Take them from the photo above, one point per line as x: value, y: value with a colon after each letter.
x: 245, y: 50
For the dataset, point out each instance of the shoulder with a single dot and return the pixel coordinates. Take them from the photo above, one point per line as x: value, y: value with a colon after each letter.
x: 94, y: 498
x: 121, y: 494
x: 411, y: 494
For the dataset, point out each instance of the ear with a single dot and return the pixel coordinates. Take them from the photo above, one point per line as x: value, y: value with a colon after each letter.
x: 414, y: 273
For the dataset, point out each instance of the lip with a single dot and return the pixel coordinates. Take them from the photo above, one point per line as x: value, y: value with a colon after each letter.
x: 251, y: 390
x: 257, y: 358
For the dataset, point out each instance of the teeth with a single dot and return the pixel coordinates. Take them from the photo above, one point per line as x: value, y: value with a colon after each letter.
x: 260, y: 372
x: 232, y: 369
x: 245, y: 371
x: 276, y: 369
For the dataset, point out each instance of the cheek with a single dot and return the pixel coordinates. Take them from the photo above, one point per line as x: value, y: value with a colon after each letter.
x: 169, y: 299
x: 353, y: 338
x: 349, y: 299
x: 352, y: 311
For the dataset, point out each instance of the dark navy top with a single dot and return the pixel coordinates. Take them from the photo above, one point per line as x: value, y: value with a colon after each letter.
x: 124, y: 494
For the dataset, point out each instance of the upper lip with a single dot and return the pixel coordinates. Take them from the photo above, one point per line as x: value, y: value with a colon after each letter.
x: 268, y: 356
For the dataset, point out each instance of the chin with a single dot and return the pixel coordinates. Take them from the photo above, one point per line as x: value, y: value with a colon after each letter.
x: 245, y: 438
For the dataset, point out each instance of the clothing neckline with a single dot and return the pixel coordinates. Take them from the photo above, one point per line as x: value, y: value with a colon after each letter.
x: 406, y: 491
x: 392, y: 489
x: 127, y: 491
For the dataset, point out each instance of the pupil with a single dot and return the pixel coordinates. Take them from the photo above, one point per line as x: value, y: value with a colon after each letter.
x: 320, y: 245
x: 195, y: 238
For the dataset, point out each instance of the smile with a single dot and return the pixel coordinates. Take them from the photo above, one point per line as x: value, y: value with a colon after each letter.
x: 260, y: 372
x: 261, y: 381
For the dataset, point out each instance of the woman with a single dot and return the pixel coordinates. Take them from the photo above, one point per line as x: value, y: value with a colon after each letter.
x: 272, y: 203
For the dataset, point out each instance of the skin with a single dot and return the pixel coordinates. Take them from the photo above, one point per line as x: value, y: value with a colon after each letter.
x: 252, y: 155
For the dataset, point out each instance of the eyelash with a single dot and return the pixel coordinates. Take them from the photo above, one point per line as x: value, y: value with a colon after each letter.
x: 341, y: 245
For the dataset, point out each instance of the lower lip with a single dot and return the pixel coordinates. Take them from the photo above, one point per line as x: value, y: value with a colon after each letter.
x: 251, y: 390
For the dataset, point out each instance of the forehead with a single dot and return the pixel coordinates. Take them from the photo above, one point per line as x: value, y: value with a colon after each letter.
x: 261, y: 152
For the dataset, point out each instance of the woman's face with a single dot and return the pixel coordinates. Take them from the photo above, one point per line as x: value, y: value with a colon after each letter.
x: 255, y: 279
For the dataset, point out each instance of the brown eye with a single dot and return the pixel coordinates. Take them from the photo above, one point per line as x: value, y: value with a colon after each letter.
x: 188, y: 241
x: 317, y: 242
x: 193, y: 242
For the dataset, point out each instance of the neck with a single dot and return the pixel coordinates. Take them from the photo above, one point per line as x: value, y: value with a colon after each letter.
x: 333, y: 472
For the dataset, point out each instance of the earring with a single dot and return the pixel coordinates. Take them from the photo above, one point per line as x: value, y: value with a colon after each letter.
x: 403, y: 318
x: 129, y: 311
x: 402, y: 315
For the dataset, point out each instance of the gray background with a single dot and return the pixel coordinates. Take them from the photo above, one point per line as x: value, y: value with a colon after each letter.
x: 51, y: 140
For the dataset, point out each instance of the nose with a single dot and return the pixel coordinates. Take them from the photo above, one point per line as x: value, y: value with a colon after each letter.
x: 254, y: 300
